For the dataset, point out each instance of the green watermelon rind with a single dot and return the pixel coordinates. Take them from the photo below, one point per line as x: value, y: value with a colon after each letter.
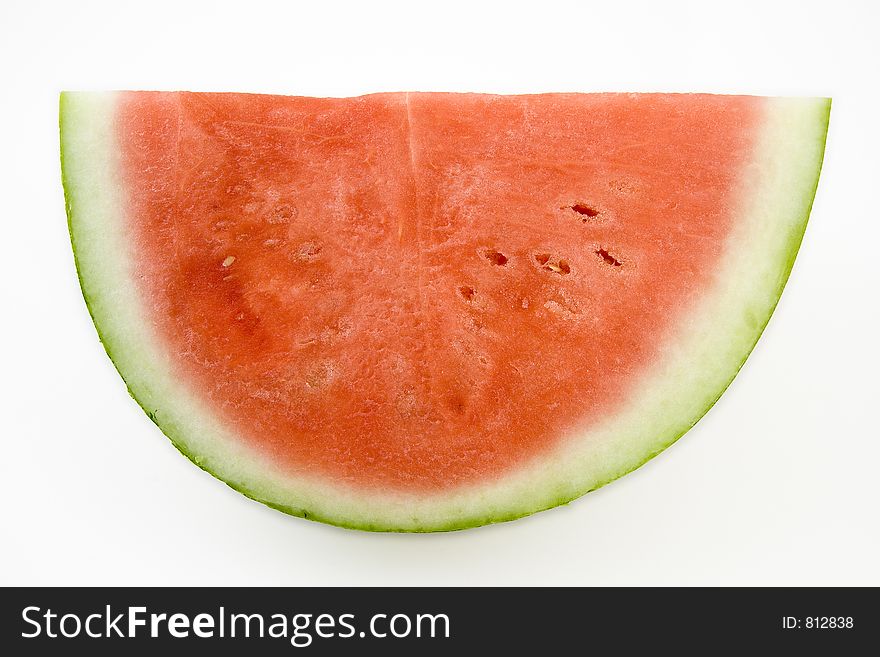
x: 784, y: 175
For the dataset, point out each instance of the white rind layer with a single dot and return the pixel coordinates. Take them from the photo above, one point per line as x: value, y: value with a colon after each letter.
x: 691, y: 371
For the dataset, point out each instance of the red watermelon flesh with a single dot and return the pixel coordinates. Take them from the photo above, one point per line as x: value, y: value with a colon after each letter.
x: 415, y: 294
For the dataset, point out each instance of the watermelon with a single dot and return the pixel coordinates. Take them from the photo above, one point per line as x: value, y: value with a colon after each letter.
x: 431, y: 311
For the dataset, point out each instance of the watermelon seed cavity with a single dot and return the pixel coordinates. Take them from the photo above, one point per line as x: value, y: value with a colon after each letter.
x: 496, y: 258
x: 608, y: 258
x: 467, y: 293
x: 558, y: 267
x: 585, y: 210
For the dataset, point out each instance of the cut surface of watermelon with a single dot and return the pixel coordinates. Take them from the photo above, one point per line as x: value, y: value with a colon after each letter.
x: 430, y: 311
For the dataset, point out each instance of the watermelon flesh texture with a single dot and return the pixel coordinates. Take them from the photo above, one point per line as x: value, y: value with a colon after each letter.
x: 432, y: 311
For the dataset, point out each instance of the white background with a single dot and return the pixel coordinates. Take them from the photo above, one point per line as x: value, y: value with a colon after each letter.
x: 777, y: 485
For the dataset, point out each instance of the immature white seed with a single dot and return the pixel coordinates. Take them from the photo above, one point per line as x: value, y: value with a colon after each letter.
x: 229, y: 260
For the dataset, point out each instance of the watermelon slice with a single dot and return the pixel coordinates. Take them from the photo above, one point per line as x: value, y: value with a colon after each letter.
x: 430, y: 311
